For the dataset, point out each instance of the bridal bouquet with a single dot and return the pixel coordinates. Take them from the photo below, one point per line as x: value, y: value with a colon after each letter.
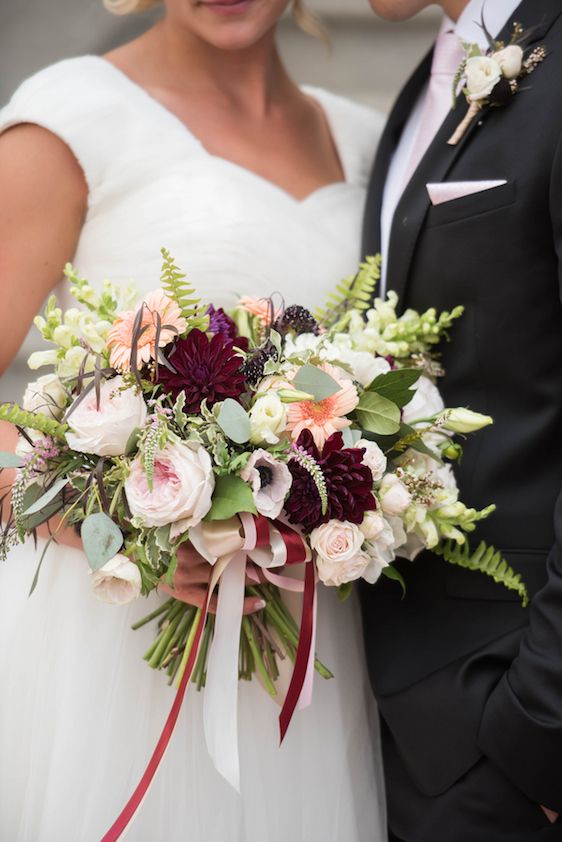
x: 271, y: 439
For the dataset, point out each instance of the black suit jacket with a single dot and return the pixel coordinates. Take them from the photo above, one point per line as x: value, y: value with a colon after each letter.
x: 459, y: 668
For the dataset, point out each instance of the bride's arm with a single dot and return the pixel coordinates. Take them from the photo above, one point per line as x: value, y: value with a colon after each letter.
x: 43, y: 201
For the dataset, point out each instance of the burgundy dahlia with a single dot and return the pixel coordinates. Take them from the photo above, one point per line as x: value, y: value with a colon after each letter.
x: 205, y: 368
x: 349, y: 484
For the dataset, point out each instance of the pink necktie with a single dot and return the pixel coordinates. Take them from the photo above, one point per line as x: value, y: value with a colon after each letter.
x: 447, y: 56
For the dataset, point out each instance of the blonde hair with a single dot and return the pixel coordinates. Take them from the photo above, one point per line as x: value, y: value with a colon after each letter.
x: 307, y: 21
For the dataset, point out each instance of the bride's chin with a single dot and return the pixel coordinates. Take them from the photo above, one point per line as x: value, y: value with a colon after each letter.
x: 229, y: 24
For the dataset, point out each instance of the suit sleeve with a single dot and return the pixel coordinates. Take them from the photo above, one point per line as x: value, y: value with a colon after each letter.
x: 521, y: 729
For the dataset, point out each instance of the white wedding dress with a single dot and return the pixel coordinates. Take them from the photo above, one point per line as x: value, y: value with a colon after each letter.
x: 80, y: 711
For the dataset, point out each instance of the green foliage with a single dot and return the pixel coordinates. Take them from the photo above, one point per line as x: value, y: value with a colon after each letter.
x: 234, y: 421
x: 231, y: 496
x: 396, y: 386
x: 391, y: 572
x: 102, y: 539
x: 315, y: 382
x: 179, y: 290
x: 353, y: 293
x: 486, y: 560
x: 12, y: 413
x: 377, y: 414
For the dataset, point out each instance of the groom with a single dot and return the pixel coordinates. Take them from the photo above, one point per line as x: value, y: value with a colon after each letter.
x: 469, y: 683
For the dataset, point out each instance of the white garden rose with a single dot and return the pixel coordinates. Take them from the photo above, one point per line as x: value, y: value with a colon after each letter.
x: 339, y: 556
x: 118, y: 581
x: 45, y: 395
x: 394, y: 496
x: 105, y: 430
x: 374, y: 458
x: 268, y: 419
x: 426, y: 402
x: 510, y: 59
x: 182, y: 487
x: 373, y: 525
x: 482, y: 75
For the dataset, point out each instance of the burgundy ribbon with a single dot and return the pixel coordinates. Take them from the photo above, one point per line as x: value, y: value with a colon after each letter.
x: 135, y: 801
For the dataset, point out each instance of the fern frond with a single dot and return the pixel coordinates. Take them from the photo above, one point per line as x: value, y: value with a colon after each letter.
x: 486, y: 560
x: 12, y: 413
x: 355, y: 292
x: 180, y: 290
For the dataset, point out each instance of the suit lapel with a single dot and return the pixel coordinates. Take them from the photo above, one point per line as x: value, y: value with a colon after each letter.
x: 414, y: 204
x: 386, y: 149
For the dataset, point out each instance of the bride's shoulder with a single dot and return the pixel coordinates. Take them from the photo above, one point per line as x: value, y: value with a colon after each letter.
x: 357, y: 128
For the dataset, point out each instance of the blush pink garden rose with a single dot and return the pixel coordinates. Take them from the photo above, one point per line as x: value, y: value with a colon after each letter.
x: 270, y: 480
x: 118, y: 581
x: 182, y: 488
x: 339, y: 556
x: 105, y: 430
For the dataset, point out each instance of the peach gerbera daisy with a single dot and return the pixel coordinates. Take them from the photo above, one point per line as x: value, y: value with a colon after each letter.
x: 260, y: 307
x: 120, y: 336
x: 323, y: 418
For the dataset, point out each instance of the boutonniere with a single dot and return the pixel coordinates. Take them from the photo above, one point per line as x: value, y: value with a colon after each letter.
x: 493, y: 77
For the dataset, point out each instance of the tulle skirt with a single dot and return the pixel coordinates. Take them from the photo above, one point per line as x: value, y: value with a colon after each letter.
x: 80, y: 713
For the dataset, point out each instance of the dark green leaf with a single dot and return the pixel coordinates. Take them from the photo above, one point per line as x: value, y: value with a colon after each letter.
x: 391, y: 572
x: 133, y: 442
x: 38, y: 570
x: 396, y: 385
x: 45, y: 498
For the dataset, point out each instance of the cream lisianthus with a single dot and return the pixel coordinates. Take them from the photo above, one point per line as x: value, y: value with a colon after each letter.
x: 268, y: 419
x: 118, y: 581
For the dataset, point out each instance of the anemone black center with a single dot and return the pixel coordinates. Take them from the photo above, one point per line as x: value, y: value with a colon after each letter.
x: 266, y: 475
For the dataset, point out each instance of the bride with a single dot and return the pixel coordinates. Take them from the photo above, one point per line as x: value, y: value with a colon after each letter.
x: 193, y: 137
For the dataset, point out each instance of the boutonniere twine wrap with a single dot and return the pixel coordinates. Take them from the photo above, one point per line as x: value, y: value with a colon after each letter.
x: 494, y: 77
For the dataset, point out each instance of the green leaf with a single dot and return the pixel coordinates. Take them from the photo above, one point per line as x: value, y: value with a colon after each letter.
x: 344, y: 591
x: 485, y: 560
x: 378, y: 414
x: 393, y: 573
x: 133, y: 442
x: 234, y: 421
x: 45, y: 498
x: 314, y: 381
x: 14, y: 414
x: 396, y: 386
x: 102, y: 539
x: 179, y: 290
x: 350, y: 436
x: 10, y: 460
x: 31, y: 495
x: 231, y: 496
x: 38, y: 569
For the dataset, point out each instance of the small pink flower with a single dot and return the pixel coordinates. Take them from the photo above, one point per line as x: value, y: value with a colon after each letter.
x: 120, y: 336
x: 260, y: 307
x: 323, y: 418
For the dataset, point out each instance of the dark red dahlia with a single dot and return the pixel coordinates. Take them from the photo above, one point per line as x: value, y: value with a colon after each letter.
x: 348, y: 483
x: 206, y: 368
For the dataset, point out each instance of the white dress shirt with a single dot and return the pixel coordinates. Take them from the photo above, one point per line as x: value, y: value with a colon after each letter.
x: 496, y: 15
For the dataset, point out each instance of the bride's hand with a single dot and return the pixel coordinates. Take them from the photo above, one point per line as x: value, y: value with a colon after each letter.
x: 191, y: 581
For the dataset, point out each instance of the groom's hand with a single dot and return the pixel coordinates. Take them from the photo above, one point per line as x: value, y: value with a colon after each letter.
x: 550, y: 814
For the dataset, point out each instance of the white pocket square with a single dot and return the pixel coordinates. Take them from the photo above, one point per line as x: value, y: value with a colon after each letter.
x: 449, y: 190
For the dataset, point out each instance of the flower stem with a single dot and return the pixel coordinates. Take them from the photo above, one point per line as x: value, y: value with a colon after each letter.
x: 164, y: 607
x: 268, y: 683
x: 188, y: 646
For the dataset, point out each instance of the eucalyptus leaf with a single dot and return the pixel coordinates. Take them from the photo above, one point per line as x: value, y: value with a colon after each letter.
x: 231, y: 496
x: 377, y: 414
x: 396, y: 385
x: 314, y: 381
x: 102, y: 539
x: 38, y: 569
x: 10, y: 460
x: 133, y: 442
x: 45, y: 498
x: 234, y: 421
x: 350, y: 436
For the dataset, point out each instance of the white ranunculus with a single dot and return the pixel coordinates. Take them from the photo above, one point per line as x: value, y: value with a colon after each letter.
x: 365, y: 366
x: 463, y: 420
x: 373, y: 525
x: 339, y: 556
x: 482, y: 75
x: 182, y: 487
x: 118, y: 581
x: 106, y: 430
x: 46, y: 395
x: 394, y: 496
x: 510, y: 59
x: 268, y: 419
x: 426, y: 402
x: 374, y: 458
